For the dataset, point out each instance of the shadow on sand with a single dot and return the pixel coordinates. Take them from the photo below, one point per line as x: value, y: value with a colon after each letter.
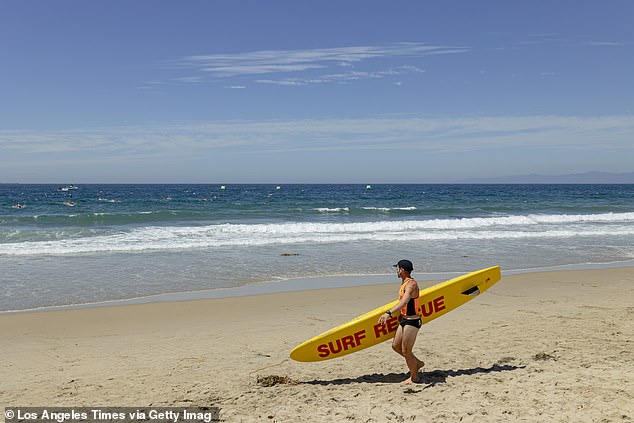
x: 429, y: 379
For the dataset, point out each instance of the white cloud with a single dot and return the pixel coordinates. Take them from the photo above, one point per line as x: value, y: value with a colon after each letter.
x: 343, y: 77
x: 286, y: 82
x: 189, y: 79
x: 606, y: 44
x: 311, y: 66
x: 255, y: 69
x: 341, y: 55
x: 434, y: 135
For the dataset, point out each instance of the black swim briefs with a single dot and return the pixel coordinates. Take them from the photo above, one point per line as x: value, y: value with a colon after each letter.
x: 417, y: 323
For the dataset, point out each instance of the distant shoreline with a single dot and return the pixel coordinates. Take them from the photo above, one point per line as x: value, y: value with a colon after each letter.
x: 573, y: 179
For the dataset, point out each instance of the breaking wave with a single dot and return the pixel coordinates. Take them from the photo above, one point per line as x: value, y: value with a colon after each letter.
x: 152, y: 238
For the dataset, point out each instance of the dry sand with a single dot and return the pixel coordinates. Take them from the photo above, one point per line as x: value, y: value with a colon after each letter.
x: 553, y: 346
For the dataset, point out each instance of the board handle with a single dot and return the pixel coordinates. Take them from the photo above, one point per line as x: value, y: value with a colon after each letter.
x: 472, y: 292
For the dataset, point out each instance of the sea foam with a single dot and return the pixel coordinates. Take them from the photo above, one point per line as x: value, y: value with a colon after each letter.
x: 153, y: 238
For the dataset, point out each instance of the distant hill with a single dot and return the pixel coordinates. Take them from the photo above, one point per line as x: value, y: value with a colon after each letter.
x: 575, y: 178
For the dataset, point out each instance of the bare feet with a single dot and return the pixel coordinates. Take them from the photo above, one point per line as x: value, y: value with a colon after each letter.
x: 409, y: 381
x: 413, y: 379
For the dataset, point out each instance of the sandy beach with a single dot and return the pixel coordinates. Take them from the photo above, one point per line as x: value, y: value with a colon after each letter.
x: 551, y: 346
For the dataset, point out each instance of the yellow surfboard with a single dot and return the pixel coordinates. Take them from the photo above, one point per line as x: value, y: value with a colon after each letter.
x: 364, y: 331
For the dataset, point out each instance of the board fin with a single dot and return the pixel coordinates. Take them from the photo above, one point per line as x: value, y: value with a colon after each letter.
x: 473, y: 292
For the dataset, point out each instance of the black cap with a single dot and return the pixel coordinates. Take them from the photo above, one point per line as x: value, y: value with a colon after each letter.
x: 405, y: 265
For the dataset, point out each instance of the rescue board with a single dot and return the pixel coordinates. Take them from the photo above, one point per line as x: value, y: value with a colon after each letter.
x: 364, y: 331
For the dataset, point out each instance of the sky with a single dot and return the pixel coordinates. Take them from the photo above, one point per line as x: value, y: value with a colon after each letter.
x: 156, y: 91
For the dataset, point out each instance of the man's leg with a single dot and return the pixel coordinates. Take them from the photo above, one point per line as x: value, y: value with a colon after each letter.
x: 407, y: 344
x: 398, y: 339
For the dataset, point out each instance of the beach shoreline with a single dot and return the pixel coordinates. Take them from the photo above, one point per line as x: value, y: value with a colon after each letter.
x: 540, y: 346
x: 312, y: 283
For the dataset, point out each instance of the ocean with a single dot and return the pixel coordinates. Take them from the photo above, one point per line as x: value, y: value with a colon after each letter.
x: 98, y: 243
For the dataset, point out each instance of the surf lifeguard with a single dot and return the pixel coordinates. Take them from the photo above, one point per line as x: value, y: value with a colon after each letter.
x: 410, y: 322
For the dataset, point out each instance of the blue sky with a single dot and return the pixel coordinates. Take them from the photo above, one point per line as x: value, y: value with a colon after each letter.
x: 293, y: 91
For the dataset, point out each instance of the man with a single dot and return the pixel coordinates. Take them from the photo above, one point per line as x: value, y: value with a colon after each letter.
x: 410, y: 320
